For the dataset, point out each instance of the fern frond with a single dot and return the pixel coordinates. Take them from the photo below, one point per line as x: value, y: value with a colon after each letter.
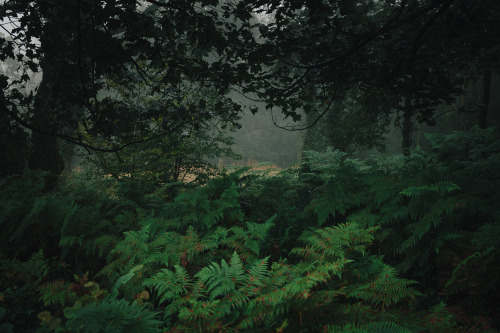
x: 102, y: 244
x: 333, y: 242
x: 462, y: 265
x: 170, y: 285
x: 441, y: 188
x: 387, y: 289
x: 260, y: 230
x: 222, y: 279
x: 56, y: 293
x: 258, y: 272
x: 204, y: 310
x: 32, y: 271
x: 236, y: 271
x: 376, y: 327
x: 113, y: 316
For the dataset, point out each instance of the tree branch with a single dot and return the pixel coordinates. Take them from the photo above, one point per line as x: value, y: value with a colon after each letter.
x: 76, y: 140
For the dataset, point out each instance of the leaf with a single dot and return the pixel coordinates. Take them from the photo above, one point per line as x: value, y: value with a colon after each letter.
x: 125, y: 278
x: 236, y: 270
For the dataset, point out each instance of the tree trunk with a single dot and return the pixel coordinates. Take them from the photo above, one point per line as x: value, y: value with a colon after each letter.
x: 57, y: 95
x: 483, y: 113
x: 46, y: 155
x: 45, y: 148
x: 407, y: 127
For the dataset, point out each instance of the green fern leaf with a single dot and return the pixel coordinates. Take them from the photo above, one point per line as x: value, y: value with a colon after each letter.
x: 113, y: 316
x: 170, y: 285
x: 387, y: 289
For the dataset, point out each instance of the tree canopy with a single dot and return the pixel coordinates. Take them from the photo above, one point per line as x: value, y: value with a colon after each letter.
x: 396, y: 57
x: 405, y: 57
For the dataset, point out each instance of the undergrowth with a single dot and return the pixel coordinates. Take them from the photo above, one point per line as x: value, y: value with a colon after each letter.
x: 399, y: 244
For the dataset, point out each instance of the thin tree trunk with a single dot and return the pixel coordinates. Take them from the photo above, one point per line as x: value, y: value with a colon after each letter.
x: 407, y: 127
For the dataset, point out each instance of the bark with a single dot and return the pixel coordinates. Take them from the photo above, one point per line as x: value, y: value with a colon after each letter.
x: 45, y: 154
x: 56, y: 98
x: 45, y: 149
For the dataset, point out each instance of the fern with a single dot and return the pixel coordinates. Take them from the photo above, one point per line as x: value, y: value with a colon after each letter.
x: 377, y: 327
x: 250, y: 239
x: 17, y: 197
x: 203, y: 208
x: 221, y: 279
x: 283, y: 196
x: 257, y: 273
x: 387, y: 289
x: 442, y: 187
x: 327, y: 161
x: 112, y: 316
x: 56, y: 293
x: 264, y: 298
x: 334, y: 242
x: 421, y: 217
x: 471, y: 282
x: 440, y: 319
x: 487, y: 236
x: 217, y: 291
x: 30, y: 272
x: 156, y: 250
x: 170, y: 285
x: 197, y: 255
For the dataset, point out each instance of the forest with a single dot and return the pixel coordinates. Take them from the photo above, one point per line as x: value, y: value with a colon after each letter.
x: 249, y: 166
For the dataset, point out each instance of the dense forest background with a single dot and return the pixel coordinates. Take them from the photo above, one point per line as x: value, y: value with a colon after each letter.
x: 262, y: 166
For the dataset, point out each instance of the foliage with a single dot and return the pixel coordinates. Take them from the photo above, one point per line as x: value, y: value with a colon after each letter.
x: 284, y: 196
x: 372, y: 327
x: 395, y: 244
x: 18, y: 197
x: 336, y: 244
x: 251, y: 296
x: 351, y: 124
x: 180, y: 154
x: 318, y: 55
x: 112, y: 316
x: 18, y: 297
x: 15, y: 148
x: 83, y: 74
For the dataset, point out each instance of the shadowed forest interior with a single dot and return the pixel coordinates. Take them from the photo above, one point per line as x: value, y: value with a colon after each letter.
x: 249, y: 166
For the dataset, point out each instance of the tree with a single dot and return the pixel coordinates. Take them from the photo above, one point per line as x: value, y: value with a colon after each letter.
x: 411, y: 52
x: 86, y: 49
x: 179, y: 156
x: 354, y: 123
